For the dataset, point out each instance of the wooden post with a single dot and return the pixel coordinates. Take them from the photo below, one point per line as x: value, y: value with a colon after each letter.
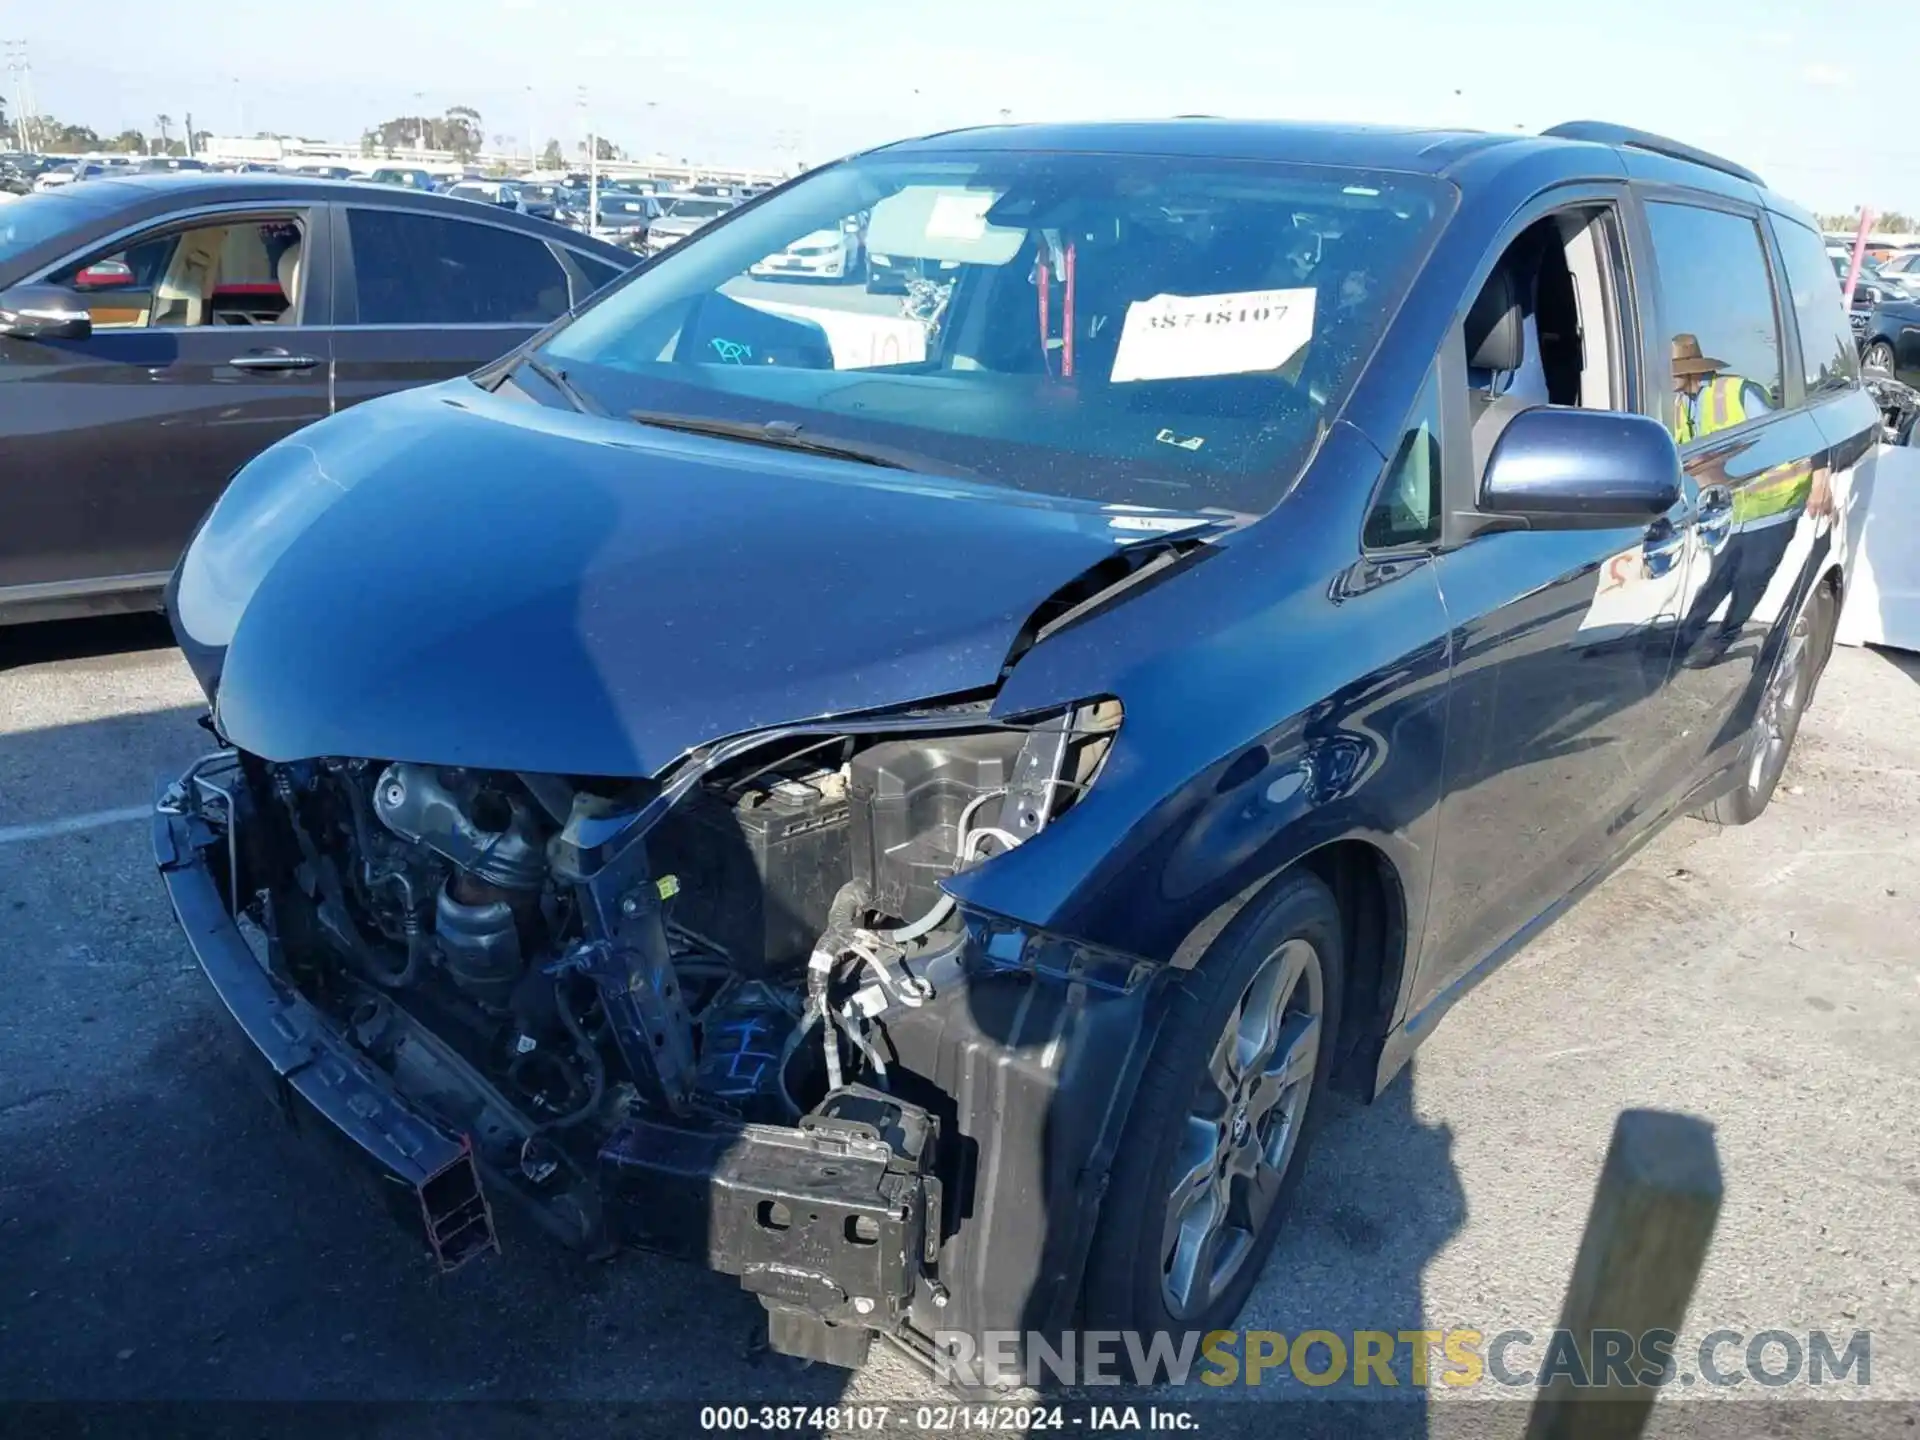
x: 1640, y: 1256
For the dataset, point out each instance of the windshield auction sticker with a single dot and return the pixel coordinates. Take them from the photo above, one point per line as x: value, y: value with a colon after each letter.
x: 1182, y: 337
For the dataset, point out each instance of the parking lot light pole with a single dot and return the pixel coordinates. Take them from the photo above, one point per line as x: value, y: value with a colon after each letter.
x: 593, y: 164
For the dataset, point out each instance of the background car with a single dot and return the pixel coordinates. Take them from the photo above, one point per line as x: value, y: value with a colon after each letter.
x: 1903, y: 271
x: 623, y: 218
x: 684, y: 215
x: 487, y: 192
x: 162, y: 330
x: 56, y: 176
x: 1870, y: 288
x: 406, y: 176
x: 549, y: 201
x: 835, y: 254
x: 1890, y: 338
x: 169, y: 165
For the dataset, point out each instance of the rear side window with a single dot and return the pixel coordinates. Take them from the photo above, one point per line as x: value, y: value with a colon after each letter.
x: 1826, y: 340
x: 1723, y: 338
x: 430, y: 270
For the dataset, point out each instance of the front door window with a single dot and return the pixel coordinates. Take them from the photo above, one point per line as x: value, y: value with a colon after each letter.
x: 227, y: 272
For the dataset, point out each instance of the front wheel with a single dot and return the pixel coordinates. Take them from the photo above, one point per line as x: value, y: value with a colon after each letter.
x: 1878, y: 357
x: 1212, y: 1153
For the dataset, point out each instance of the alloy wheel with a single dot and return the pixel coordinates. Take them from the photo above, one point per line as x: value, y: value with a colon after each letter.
x: 1242, y: 1128
x: 1774, y: 725
x: 1879, y: 357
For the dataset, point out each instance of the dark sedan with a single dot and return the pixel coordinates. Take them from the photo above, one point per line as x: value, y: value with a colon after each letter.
x: 548, y: 202
x: 1870, y: 290
x: 158, y: 332
x: 1890, y: 338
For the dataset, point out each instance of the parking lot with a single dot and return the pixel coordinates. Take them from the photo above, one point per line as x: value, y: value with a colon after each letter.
x: 162, y: 1236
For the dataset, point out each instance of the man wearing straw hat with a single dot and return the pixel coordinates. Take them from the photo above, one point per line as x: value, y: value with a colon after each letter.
x: 1705, y: 398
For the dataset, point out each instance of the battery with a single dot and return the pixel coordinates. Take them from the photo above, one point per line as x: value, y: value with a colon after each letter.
x: 757, y: 868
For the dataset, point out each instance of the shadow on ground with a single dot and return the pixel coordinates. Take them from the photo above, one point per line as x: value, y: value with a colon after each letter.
x: 81, y: 639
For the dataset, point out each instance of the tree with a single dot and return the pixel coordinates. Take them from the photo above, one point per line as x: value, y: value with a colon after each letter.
x: 129, y: 142
x: 55, y: 135
x: 463, y: 134
x: 551, y: 158
x: 163, y: 123
x: 459, y: 130
x: 603, y: 149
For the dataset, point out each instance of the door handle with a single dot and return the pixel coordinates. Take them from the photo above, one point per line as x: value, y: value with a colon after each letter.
x: 1663, y: 548
x: 273, y: 360
x: 1714, y: 518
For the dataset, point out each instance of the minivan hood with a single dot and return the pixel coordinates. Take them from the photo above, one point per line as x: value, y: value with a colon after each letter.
x: 462, y: 578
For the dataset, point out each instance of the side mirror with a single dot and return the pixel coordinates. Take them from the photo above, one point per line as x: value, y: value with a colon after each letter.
x: 43, y: 312
x: 102, y: 274
x: 1563, y: 469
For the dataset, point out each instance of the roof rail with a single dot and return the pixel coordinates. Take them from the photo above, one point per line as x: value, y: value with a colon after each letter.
x: 1602, y: 132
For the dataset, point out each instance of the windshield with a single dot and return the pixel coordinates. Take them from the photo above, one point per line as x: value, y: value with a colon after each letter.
x: 1137, y: 330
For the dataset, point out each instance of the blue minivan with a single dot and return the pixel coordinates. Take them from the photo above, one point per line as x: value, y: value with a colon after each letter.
x: 912, y: 801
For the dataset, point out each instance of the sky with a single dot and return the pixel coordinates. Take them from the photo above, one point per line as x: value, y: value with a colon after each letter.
x: 1778, y: 86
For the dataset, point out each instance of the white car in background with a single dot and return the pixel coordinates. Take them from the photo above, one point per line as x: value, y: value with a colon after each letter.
x: 836, y: 254
x: 67, y: 174
x: 1903, y: 270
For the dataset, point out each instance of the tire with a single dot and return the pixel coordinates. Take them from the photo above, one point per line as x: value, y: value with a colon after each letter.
x: 1776, y: 722
x: 1878, y: 357
x: 1151, y: 1267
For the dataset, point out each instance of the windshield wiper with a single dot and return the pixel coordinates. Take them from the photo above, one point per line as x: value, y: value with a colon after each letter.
x: 557, y: 378
x: 781, y: 434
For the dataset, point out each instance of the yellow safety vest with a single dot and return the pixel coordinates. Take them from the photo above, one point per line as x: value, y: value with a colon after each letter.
x: 1719, y: 405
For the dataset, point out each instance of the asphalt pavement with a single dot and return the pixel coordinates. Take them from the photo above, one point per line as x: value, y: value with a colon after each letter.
x: 163, y: 1236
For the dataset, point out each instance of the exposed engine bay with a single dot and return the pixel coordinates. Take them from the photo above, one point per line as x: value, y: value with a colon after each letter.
x: 682, y: 985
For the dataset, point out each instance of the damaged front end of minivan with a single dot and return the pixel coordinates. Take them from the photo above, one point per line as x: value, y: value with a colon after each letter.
x: 728, y: 1014
x: 725, y: 1009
